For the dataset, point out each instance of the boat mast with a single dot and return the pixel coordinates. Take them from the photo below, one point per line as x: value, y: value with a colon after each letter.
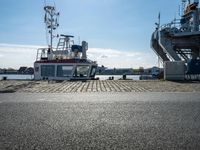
x: 51, y: 21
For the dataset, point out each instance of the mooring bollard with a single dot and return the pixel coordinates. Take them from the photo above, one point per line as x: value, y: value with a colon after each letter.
x: 124, y: 77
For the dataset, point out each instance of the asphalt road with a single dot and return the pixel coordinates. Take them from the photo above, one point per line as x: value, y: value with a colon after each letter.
x: 100, y: 121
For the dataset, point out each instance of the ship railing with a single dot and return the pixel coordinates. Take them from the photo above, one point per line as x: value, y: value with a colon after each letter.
x: 174, y: 24
x: 45, y: 54
x: 90, y: 61
x: 42, y: 53
x: 177, y: 27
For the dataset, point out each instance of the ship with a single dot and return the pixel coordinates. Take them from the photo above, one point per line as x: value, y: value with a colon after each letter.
x: 67, y: 61
x: 179, y: 40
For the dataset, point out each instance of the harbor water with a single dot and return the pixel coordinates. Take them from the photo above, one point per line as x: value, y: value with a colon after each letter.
x: 16, y: 76
x: 117, y: 77
x: 30, y: 77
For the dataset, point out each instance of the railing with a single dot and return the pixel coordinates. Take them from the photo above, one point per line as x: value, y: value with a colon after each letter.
x: 46, y: 53
x: 42, y: 53
x: 174, y: 24
x: 176, y: 27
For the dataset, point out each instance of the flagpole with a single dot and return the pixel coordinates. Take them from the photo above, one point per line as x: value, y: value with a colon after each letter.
x: 159, y: 20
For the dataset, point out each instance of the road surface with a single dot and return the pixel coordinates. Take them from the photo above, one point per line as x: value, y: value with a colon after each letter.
x: 100, y: 121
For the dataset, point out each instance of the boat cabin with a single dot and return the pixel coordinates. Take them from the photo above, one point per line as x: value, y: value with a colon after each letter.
x: 66, y: 62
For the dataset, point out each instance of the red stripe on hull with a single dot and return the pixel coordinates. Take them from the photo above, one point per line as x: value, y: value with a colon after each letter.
x: 63, y: 61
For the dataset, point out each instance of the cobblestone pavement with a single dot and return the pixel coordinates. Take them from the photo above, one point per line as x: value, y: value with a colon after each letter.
x: 88, y: 86
x: 11, y: 86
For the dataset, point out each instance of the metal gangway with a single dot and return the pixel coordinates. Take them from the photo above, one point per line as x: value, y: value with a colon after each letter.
x: 180, y: 39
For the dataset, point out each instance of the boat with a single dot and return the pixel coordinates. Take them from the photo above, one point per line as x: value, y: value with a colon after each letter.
x: 177, y: 43
x: 67, y: 61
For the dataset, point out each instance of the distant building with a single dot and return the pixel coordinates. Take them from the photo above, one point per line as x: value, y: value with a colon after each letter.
x: 100, y: 70
x: 116, y: 71
x: 2, y: 71
x: 153, y: 71
x: 25, y: 70
x: 21, y: 70
x: 29, y: 70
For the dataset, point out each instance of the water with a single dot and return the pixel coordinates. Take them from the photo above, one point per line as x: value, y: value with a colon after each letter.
x: 17, y: 76
x: 30, y: 77
x: 117, y: 77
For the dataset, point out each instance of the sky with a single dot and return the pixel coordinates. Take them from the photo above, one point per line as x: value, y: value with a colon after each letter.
x: 118, y: 31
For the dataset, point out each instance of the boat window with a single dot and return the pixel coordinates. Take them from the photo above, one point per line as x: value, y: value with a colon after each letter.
x: 93, y: 71
x: 64, y: 71
x: 81, y: 71
x: 47, y: 70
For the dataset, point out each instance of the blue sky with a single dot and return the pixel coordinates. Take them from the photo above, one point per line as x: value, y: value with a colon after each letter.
x: 124, y: 26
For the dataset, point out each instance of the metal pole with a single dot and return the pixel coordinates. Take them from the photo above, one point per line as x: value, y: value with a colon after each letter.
x: 51, y: 29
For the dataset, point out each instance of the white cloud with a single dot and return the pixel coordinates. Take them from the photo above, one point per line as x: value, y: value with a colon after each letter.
x: 15, y: 56
x: 24, y: 55
x: 122, y: 59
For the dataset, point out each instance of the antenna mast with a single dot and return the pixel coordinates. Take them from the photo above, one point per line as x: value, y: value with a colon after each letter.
x: 51, y: 21
x: 183, y: 6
